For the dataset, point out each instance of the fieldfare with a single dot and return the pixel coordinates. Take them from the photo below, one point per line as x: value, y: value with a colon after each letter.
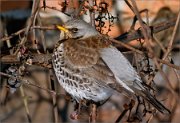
x: 89, y: 68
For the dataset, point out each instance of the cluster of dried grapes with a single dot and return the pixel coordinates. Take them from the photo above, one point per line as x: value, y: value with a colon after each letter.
x: 13, y: 83
x: 103, y: 15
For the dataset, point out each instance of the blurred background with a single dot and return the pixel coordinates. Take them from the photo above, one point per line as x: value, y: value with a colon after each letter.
x: 26, y: 103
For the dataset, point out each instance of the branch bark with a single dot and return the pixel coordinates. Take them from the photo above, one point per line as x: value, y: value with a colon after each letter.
x: 129, y: 36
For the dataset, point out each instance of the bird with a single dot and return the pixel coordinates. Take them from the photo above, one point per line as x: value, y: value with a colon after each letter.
x: 89, y: 67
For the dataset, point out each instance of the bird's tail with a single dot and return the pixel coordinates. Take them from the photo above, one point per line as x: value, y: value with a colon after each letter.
x: 152, y: 100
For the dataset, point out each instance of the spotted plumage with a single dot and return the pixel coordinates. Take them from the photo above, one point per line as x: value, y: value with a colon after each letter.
x: 88, y: 67
x: 74, y: 78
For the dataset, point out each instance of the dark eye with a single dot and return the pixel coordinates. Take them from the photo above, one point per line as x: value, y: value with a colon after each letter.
x: 74, y: 30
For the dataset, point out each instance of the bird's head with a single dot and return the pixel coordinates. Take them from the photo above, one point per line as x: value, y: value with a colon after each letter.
x: 78, y: 29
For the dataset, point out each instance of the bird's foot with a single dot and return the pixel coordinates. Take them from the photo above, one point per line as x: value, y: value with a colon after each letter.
x: 76, y: 114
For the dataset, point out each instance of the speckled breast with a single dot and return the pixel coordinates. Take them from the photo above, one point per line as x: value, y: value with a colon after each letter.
x: 76, y: 83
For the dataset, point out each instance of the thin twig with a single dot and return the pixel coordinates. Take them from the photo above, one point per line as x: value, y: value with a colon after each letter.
x: 54, y: 8
x: 129, y: 36
x: 54, y: 99
x: 169, y: 59
x: 159, y: 43
x: 172, y: 39
x: 35, y: 41
x: 92, y: 14
x: 12, y: 35
x: 36, y: 59
x: 127, y: 107
x: 121, y: 116
x: 42, y: 35
x: 168, y: 64
x: 23, y: 30
x: 78, y: 12
x: 130, y: 6
x: 150, y: 118
x: 25, y: 101
x: 34, y: 10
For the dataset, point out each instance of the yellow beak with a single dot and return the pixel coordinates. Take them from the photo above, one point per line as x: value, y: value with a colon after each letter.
x: 62, y: 28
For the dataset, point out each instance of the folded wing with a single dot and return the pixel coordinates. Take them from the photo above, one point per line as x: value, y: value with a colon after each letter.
x: 121, y: 68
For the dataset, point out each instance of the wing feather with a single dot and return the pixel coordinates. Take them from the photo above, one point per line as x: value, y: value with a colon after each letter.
x: 123, y: 71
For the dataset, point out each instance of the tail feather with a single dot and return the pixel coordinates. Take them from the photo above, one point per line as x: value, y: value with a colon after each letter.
x: 152, y: 100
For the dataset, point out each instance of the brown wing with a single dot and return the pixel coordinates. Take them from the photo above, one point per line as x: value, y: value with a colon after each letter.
x: 100, y: 72
x: 84, y: 53
x: 78, y: 55
x: 84, y: 56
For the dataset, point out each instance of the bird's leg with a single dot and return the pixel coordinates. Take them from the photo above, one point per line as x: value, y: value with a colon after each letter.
x: 77, y: 108
x: 93, y: 114
x: 139, y: 103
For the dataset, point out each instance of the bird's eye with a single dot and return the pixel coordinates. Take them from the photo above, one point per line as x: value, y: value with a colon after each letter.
x: 74, y: 30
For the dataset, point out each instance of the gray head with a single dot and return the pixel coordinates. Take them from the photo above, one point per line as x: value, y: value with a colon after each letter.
x: 79, y: 29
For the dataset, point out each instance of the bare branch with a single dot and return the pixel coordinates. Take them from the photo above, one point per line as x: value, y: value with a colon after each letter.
x: 172, y: 39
